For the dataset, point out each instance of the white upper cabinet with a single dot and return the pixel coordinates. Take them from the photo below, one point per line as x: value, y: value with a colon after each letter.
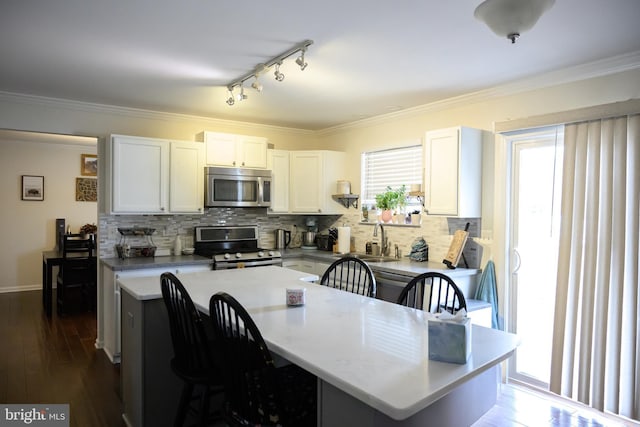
x: 230, y: 150
x: 278, y: 162
x: 186, y: 179
x: 140, y: 173
x: 453, y: 172
x: 154, y: 176
x: 312, y: 181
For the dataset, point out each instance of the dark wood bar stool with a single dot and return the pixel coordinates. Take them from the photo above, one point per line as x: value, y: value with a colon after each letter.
x: 194, y: 359
x: 77, y: 276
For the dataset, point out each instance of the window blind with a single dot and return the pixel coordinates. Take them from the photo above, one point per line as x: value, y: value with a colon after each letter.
x: 393, y: 167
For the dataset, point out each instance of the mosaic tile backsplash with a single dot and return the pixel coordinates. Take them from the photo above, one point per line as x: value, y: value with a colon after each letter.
x: 437, y: 231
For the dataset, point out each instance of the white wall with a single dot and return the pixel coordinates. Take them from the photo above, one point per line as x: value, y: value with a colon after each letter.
x: 28, y: 227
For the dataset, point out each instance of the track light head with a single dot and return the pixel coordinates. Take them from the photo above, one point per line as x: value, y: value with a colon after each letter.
x: 231, y: 100
x: 278, y: 74
x: 256, y: 84
x: 300, y: 61
x: 241, y: 96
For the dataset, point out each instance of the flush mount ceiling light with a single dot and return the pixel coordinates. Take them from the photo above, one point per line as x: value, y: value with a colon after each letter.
x: 510, y: 18
x: 264, y: 67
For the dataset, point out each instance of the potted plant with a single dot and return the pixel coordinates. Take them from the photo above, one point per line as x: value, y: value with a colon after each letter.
x: 89, y: 229
x: 390, y: 200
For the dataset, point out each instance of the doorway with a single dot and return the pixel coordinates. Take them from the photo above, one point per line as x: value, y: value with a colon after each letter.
x: 536, y: 182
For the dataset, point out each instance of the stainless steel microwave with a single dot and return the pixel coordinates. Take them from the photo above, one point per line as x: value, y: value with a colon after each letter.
x: 237, y: 187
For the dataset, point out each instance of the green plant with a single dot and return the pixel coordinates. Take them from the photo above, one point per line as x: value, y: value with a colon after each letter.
x: 391, y: 198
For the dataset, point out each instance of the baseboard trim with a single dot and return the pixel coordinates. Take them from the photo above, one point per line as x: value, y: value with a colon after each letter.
x: 20, y: 289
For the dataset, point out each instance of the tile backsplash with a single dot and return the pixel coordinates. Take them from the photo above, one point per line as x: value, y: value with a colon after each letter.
x: 437, y: 231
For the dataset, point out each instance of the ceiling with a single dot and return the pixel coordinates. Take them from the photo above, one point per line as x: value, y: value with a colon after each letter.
x: 368, y: 58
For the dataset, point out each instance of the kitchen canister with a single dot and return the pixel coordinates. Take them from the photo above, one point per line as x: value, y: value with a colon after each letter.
x: 343, y: 187
x: 344, y: 240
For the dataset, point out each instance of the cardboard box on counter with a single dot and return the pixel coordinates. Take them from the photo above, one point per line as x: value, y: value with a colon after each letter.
x: 450, y: 340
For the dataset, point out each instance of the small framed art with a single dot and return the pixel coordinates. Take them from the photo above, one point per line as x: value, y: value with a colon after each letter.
x: 89, y: 165
x: 33, y: 188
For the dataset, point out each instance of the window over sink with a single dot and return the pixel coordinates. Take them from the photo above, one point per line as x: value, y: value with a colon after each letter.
x: 393, y: 167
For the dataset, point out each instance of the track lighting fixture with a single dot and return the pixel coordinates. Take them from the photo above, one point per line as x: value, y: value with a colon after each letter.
x: 256, y: 84
x: 278, y: 74
x: 300, y: 61
x: 231, y: 100
x: 264, y: 67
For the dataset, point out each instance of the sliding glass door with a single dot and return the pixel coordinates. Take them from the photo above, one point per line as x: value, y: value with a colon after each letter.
x: 534, y: 222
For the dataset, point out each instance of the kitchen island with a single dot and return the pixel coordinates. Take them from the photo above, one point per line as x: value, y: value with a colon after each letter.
x: 370, y: 356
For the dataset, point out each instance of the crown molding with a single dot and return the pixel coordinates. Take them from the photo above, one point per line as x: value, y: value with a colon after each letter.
x: 140, y: 113
x: 612, y: 65
x: 604, y: 67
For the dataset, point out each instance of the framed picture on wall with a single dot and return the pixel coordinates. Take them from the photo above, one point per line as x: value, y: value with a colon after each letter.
x: 33, y: 188
x: 89, y: 165
x: 86, y: 190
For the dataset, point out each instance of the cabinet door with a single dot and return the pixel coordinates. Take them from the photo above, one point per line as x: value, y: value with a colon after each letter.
x: 186, y: 183
x: 221, y: 149
x: 279, y: 165
x: 252, y: 152
x: 306, y: 182
x: 453, y: 172
x: 441, y: 169
x: 140, y: 175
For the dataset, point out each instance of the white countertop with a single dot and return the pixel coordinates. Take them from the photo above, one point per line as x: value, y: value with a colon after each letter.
x: 373, y: 350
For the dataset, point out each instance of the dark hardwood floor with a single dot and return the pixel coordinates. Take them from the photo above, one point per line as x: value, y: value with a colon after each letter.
x: 55, y: 361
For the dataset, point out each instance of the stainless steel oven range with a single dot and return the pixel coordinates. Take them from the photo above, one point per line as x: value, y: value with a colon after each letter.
x: 233, y: 246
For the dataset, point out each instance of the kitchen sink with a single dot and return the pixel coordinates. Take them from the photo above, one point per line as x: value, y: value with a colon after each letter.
x: 372, y: 258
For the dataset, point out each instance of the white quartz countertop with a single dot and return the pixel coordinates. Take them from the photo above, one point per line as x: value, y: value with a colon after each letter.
x: 198, y: 284
x: 371, y: 349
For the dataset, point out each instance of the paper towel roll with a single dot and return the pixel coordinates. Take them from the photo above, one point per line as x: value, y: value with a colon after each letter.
x: 344, y: 240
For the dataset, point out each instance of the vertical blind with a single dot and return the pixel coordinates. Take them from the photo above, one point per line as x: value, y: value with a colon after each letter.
x: 393, y: 167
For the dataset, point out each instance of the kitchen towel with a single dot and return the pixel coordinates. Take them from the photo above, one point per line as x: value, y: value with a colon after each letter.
x: 344, y: 240
x: 487, y: 291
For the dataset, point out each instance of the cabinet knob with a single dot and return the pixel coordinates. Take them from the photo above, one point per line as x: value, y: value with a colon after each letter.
x: 234, y: 163
x: 242, y: 163
x: 162, y: 209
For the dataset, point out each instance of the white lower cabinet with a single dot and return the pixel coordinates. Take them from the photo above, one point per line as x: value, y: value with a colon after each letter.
x: 306, y: 266
x: 111, y: 300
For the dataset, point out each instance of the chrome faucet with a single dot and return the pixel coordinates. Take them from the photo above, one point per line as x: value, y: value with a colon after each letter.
x: 383, y: 239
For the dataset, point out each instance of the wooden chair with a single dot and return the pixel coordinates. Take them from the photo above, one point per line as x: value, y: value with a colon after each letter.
x: 77, y: 273
x: 352, y: 275
x: 432, y: 292
x: 194, y: 360
x: 258, y: 393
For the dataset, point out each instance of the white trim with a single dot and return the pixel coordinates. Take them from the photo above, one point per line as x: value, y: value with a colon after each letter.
x: 20, y: 289
x: 140, y: 113
x: 613, y: 65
